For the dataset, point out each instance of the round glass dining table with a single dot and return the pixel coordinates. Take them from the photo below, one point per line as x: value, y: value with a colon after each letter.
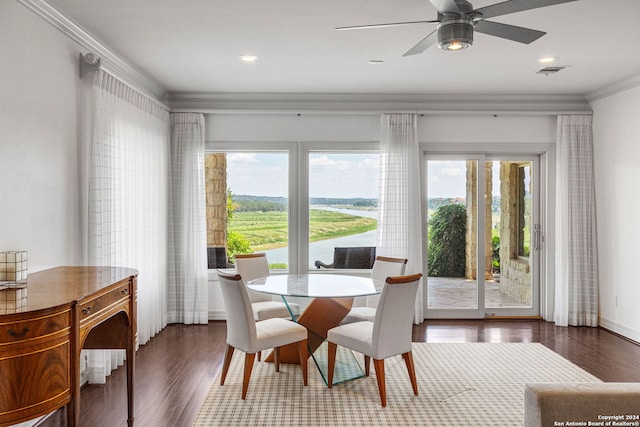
x: 319, y: 285
x: 331, y: 297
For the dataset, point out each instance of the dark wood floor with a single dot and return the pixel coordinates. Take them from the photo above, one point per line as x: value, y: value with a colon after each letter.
x: 175, y: 369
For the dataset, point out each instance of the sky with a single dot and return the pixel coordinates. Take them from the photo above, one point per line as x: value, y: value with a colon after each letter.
x: 447, y: 178
x: 335, y: 175
x: 330, y: 174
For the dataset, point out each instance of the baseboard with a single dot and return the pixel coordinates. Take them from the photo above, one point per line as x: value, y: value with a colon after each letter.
x: 217, y: 315
x: 631, y: 334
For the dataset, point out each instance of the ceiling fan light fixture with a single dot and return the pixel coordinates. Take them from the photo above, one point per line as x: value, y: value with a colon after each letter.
x: 455, y: 34
x: 454, y: 45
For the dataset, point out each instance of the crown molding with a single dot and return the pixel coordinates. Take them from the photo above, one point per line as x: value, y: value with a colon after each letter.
x: 376, y: 103
x: 613, y: 89
x: 110, y: 61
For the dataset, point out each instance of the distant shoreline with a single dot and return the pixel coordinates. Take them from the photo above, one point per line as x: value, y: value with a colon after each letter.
x: 269, y: 230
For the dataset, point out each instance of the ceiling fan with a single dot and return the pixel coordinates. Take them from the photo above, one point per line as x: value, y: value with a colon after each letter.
x: 457, y: 20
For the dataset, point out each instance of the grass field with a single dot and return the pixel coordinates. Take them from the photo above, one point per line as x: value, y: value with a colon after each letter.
x: 268, y: 230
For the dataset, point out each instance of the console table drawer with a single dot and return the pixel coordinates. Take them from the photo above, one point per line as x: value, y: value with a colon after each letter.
x: 100, y: 303
x: 35, y: 352
x: 33, y: 328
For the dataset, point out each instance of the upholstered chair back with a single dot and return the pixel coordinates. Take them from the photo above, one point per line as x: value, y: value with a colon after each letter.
x: 384, y: 267
x: 253, y: 266
x: 241, y: 326
x: 394, y: 317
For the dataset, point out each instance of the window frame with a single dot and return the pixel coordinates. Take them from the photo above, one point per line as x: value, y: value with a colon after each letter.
x: 521, y: 195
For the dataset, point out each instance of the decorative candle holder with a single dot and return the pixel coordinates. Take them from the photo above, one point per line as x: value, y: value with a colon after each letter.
x: 13, y: 297
x: 13, y: 266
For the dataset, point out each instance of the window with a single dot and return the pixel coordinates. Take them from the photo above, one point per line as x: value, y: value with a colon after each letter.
x: 294, y: 201
x: 247, y: 204
x: 343, y: 208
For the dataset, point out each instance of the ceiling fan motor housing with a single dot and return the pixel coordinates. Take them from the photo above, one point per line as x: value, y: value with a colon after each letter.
x: 464, y: 5
x: 455, y: 32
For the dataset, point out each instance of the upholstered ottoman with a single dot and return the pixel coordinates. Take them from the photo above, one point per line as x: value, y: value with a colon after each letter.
x: 582, y: 404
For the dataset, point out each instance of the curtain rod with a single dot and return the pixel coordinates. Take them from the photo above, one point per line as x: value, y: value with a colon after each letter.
x: 380, y: 112
x: 90, y: 63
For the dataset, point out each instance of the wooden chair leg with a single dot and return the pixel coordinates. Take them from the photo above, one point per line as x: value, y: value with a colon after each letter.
x: 304, y: 358
x: 259, y: 356
x: 276, y: 358
x: 382, y: 388
x: 333, y: 347
x: 367, y: 362
x: 249, y: 358
x: 228, y: 353
x: 408, y: 359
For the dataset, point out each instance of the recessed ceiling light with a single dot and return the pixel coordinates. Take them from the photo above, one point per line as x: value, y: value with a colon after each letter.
x: 248, y: 58
x: 548, y: 59
x: 376, y: 61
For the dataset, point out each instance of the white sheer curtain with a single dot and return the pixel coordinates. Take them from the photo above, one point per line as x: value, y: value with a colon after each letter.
x: 399, y: 199
x: 124, y: 151
x: 187, y: 280
x: 576, y: 301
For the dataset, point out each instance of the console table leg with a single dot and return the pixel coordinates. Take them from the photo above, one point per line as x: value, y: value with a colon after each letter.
x: 130, y: 369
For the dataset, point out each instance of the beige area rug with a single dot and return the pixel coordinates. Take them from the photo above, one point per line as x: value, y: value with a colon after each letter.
x: 473, y: 384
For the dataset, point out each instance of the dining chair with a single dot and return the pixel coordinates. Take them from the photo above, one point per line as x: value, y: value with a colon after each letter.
x: 253, y: 266
x: 383, y: 267
x: 388, y: 335
x: 249, y: 336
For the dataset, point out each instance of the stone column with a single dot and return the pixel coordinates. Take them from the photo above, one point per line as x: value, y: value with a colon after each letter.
x: 488, y: 218
x: 471, y: 239
x: 471, y: 255
x: 216, y: 200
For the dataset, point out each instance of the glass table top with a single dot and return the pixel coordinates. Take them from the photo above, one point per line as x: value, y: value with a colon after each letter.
x: 316, y: 285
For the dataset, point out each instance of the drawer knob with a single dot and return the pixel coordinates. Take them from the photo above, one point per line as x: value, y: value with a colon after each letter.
x: 124, y: 291
x: 86, y: 310
x: 18, y: 334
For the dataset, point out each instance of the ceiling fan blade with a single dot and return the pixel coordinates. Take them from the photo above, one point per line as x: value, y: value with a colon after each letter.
x: 445, y: 6
x: 391, y: 24
x: 510, y: 32
x: 423, y: 44
x: 513, y: 6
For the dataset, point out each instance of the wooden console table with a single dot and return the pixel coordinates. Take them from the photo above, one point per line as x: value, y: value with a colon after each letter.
x: 68, y: 309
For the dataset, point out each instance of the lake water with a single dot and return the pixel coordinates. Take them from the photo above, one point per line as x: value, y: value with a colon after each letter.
x: 323, y: 250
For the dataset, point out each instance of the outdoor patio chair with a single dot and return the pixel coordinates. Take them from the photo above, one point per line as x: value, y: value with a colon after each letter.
x: 358, y: 257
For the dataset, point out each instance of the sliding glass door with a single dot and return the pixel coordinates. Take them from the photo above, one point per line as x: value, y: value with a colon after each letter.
x: 482, y: 236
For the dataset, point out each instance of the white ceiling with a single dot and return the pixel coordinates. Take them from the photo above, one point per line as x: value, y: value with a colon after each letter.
x: 193, y: 46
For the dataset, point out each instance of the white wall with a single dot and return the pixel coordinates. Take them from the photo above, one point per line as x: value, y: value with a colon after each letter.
x: 487, y: 129
x: 617, y: 167
x: 291, y: 127
x: 38, y: 159
x: 452, y: 128
x: 437, y: 131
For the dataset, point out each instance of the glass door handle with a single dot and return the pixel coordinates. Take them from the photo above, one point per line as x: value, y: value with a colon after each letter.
x: 536, y: 237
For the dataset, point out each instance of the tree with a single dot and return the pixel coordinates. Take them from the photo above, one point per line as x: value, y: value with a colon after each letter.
x: 446, y: 250
x: 495, y: 254
x: 231, y: 204
x: 236, y: 243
